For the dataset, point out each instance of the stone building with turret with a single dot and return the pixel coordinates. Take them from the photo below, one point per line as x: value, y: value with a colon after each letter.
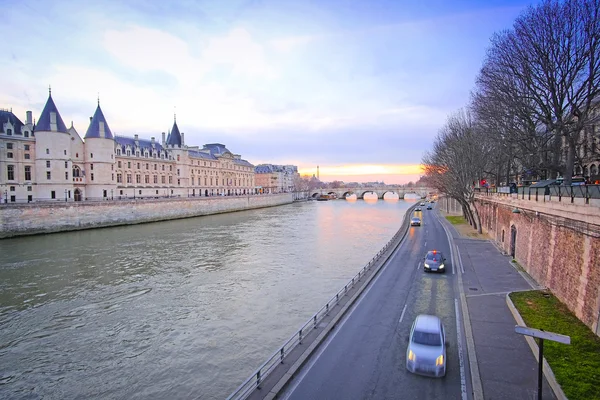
x: 46, y: 161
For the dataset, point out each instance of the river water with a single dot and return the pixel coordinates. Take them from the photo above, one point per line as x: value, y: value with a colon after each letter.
x: 177, y: 309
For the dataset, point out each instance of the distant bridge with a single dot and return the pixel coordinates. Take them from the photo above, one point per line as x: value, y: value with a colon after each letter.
x: 379, y: 191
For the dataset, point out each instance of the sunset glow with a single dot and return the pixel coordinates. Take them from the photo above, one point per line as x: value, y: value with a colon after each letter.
x: 390, y: 174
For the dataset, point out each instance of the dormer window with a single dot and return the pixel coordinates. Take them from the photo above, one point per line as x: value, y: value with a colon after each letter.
x: 118, y: 152
x: 137, y: 153
x: 146, y: 154
x: 128, y: 152
x: 9, y: 132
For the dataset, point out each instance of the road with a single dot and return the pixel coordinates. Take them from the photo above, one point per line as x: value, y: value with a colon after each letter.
x: 365, y: 357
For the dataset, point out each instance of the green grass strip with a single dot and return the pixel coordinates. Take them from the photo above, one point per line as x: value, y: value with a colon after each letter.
x: 456, y: 219
x: 576, y: 366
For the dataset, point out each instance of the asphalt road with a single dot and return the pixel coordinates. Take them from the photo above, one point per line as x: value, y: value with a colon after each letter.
x: 365, y: 357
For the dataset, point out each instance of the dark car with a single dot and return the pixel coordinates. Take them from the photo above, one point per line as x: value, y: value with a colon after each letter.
x: 434, y: 261
x: 418, y: 209
x: 429, y: 206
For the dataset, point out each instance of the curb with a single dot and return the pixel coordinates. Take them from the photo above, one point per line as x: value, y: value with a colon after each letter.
x: 476, y: 384
x: 280, y: 385
x: 560, y: 395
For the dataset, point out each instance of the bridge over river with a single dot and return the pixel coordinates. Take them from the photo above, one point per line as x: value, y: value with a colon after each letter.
x: 381, y: 191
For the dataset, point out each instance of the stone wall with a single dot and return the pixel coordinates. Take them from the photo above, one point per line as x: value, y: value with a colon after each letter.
x: 29, y: 219
x: 559, y: 252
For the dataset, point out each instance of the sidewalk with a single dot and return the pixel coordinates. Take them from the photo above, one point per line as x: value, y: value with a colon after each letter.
x: 507, y: 366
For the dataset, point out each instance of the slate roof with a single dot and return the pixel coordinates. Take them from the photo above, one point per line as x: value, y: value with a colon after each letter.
x: 218, y: 149
x: 8, y: 116
x: 201, y: 154
x: 98, y: 126
x: 43, y: 122
x: 263, y: 169
x: 124, y: 141
x: 174, y: 138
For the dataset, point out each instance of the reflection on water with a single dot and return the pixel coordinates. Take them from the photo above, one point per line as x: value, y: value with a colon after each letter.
x: 176, y: 309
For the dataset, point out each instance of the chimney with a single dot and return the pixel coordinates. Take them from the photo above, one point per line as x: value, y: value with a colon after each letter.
x: 152, y: 139
x: 28, y: 113
x: 182, y: 141
x: 163, y: 138
x: 90, y: 120
x: 136, y: 137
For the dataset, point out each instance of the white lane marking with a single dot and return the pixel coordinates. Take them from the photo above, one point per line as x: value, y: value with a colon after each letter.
x: 462, y: 266
x: 403, y: 311
x: 419, y: 265
x: 324, y: 346
x: 426, y: 243
x: 449, y: 242
x: 461, y: 361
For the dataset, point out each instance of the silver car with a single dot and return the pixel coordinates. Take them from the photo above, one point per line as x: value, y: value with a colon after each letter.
x: 426, y: 352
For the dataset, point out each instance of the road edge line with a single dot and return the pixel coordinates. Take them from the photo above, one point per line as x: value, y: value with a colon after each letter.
x: 548, y: 373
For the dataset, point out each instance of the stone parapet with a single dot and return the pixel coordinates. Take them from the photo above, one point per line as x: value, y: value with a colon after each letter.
x: 557, y: 243
x: 30, y: 219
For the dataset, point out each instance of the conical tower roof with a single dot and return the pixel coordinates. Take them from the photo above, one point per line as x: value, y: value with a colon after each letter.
x: 50, y: 120
x: 174, y: 138
x: 98, y: 126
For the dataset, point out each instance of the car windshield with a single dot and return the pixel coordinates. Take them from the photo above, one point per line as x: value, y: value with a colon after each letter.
x: 427, y: 338
x: 434, y: 257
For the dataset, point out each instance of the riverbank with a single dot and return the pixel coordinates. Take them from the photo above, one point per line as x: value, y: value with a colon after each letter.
x: 38, y: 218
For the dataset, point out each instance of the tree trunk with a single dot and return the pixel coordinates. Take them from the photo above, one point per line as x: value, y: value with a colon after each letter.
x: 476, y: 216
x: 568, y: 177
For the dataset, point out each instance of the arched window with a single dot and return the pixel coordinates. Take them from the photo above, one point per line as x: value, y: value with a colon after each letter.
x: 593, y: 170
x: 76, y: 171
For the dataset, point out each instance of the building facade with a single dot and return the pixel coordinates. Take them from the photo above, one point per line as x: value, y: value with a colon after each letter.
x: 47, y: 161
x: 271, y: 178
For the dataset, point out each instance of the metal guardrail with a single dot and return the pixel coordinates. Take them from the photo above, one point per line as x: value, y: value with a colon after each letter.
x: 254, y: 381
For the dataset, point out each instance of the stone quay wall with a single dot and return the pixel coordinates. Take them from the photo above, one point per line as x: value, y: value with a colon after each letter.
x: 557, y: 243
x: 36, y: 218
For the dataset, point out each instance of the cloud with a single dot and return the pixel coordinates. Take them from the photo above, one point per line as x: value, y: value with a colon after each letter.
x: 290, y: 43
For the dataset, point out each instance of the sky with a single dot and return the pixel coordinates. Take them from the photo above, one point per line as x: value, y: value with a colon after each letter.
x: 358, y: 88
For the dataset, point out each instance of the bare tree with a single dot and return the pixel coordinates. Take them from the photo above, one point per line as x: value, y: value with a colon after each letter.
x: 548, y: 67
x: 459, y: 158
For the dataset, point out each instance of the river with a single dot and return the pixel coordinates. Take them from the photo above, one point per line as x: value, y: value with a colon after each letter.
x: 176, y: 309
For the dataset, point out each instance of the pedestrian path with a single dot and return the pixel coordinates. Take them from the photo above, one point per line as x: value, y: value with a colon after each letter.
x: 507, y: 366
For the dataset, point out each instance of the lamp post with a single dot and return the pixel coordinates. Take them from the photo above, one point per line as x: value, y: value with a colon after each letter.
x: 6, y: 196
x: 65, y: 195
x: 111, y: 194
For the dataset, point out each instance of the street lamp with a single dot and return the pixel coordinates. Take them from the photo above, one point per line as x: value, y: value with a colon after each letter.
x: 111, y: 194
x: 6, y: 196
x: 65, y: 195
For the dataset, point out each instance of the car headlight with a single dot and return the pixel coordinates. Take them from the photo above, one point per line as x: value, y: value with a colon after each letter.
x: 426, y: 265
x: 411, y: 355
x: 441, y: 266
x: 439, y: 361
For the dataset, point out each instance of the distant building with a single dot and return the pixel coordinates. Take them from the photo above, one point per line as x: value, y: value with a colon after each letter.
x: 48, y: 161
x: 271, y: 178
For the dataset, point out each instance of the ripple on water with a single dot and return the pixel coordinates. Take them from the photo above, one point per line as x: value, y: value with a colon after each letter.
x: 180, y: 309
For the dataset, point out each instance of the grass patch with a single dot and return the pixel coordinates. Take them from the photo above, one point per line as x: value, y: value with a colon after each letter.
x: 456, y: 219
x: 576, y: 366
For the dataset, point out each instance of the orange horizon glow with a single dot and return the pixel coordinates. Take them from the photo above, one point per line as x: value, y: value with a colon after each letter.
x: 390, y: 174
